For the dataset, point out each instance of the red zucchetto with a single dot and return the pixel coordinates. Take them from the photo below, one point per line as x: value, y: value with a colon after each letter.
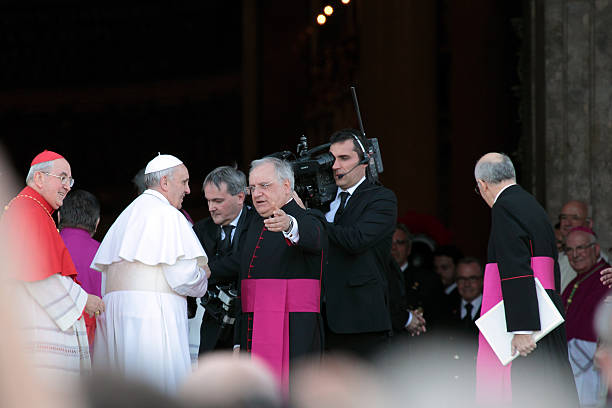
x: 45, y: 156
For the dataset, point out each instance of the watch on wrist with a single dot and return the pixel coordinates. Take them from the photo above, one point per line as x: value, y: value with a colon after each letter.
x: 288, y: 230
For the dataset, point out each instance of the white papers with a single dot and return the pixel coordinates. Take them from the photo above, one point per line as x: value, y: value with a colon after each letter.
x: 492, y: 325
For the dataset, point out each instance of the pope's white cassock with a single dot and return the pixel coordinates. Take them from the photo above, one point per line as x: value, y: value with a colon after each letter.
x: 150, y: 260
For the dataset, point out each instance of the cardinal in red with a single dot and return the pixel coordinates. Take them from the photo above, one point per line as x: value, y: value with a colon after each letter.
x: 52, y: 303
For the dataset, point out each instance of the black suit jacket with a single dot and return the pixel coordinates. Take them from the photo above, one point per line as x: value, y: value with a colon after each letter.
x: 356, y: 288
x: 208, y: 232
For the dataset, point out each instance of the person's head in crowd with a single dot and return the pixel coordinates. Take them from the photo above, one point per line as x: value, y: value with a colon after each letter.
x: 582, y: 249
x: 168, y: 175
x: 574, y: 214
x: 349, y: 166
x: 224, y: 380
x: 50, y: 176
x: 401, y: 244
x: 493, y: 172
x: 81, y: 210
x: 105, y: 389
x: 421, y: 251
x: 560, y: 239
x: 138, y: 181
x: 224, y: 189
x: 445, y: 259
x: 603, y: 328
x: 271, y: 184
x: 340, y: 380
x: 469, y: 278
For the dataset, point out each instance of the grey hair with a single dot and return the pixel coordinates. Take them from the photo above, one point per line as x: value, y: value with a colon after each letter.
x: 283, y: 168
x: 402, y: 227
x: 138, y: 181
x: 153, y: 179
x: 234, y: 179
x: 44, y: 167
x: 495, y: 171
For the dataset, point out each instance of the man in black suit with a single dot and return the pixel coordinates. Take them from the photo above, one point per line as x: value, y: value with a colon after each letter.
x: 422, y: 288
x: 466, y: 309
x: 360, y: 225
x: 522, y: 247
x: 224, y: 190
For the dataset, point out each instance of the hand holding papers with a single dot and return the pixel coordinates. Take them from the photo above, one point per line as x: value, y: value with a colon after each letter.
x: 492, y: 325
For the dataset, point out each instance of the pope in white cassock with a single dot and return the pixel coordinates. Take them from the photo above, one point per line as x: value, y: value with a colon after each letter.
x: 150, y: 261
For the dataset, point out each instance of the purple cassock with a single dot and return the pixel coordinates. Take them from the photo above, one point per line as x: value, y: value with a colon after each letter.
x: 82, y: 248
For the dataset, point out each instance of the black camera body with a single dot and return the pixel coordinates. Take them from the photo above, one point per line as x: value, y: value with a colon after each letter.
x: 314, y: 177
x: 220, y: 303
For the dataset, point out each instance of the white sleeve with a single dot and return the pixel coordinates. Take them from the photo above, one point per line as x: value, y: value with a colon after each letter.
x: 186, y: 278
x: 294, y: 234
x: 62, y: 298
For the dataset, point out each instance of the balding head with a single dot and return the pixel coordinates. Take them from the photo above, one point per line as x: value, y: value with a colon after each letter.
x: 574, y: 214
x: 493, y: 172
x: 495, y: 168
x: 224, y: 380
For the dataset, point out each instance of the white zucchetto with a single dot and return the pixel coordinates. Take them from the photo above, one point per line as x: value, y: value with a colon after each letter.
x: 162, y: 162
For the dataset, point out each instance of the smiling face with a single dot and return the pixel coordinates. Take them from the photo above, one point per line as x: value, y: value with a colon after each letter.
x: 469, y: 280
x: 581, y: 251
x: 268, y: 192
x: 176, y: 186
x: 344, y: 165
x: 50, y: 186
x: 222, y: 206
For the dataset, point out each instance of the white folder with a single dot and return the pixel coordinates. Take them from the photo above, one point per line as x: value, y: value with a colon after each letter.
x: 492, y: 325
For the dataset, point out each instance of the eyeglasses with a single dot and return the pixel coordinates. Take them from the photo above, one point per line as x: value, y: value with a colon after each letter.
x: 571, y: 217
x: 67, y: 181
x: 578, y: 249
x: 252, y: 189
x: 469, y: 279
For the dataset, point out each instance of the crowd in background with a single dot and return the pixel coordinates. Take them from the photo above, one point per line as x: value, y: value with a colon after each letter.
x: 434, y: 296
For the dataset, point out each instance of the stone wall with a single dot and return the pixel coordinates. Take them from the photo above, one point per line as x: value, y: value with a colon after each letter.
x: 578, y: 107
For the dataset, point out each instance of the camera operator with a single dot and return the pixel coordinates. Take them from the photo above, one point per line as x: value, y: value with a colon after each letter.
x: 361, y: 222
x: 224, y: 190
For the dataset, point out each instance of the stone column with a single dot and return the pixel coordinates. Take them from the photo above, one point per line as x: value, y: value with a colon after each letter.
x: 578, y: 107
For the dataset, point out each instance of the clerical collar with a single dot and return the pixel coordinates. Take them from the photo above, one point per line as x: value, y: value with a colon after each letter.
x: 502, y: 190
x: 404, y: 266
x: 351, y: 190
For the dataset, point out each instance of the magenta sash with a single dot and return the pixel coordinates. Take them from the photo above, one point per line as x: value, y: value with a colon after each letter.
x: 493, y: 381
x: 271, y: 301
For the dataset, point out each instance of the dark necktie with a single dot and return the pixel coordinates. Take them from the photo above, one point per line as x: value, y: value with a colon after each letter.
x: 468, y: 313
x: 225, y: 244
x: 343, y: 197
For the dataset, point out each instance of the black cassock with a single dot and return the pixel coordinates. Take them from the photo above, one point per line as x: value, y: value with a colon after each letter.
x: 520, y: 229
x: 268, y: 255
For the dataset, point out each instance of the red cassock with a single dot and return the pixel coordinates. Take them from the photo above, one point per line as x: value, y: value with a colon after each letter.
x: 34, y: 241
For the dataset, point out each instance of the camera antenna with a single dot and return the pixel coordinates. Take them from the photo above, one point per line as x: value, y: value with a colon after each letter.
x: 354, y: 94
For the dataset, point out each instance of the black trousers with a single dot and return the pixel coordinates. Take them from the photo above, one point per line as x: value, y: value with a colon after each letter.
x: 361, y: 345
x: 215, y: 337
